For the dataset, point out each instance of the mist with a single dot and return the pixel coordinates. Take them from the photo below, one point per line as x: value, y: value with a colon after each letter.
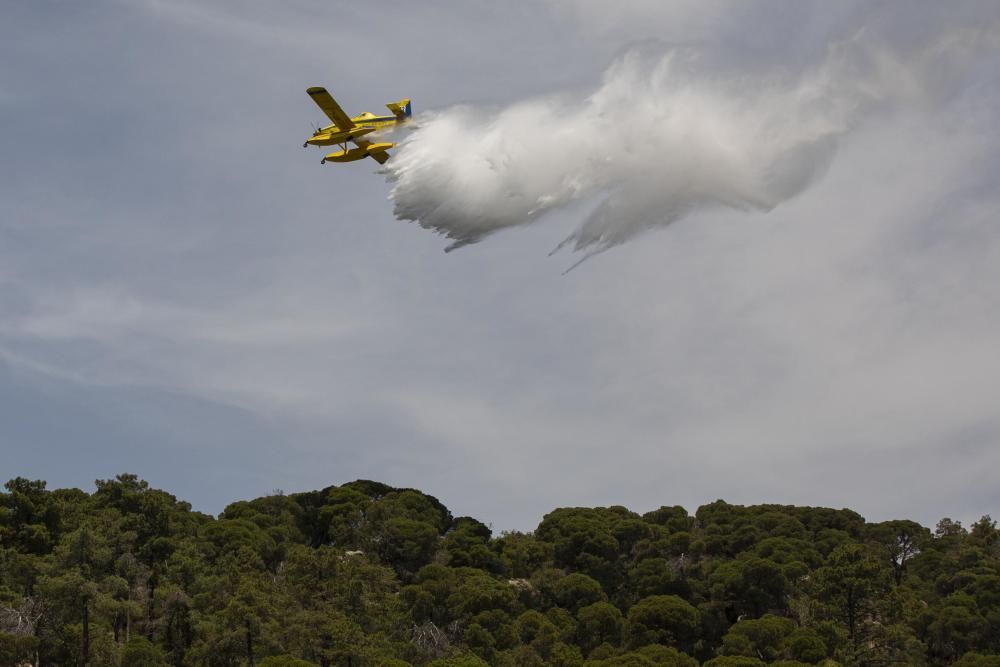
x: 667, y: 131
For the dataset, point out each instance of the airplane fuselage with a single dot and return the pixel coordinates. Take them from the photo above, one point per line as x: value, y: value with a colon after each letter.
x: 378, y: 122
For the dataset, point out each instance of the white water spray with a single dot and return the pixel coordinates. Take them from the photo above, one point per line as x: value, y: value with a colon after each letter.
x: 666, y: 132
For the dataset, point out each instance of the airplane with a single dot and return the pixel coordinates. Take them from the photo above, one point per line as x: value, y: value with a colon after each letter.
x: 346, y: 129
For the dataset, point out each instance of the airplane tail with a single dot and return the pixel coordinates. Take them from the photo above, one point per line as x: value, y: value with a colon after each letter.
x: 401, y: 109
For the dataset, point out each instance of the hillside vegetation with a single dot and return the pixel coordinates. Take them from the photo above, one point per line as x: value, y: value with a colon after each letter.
x: 366, y: 574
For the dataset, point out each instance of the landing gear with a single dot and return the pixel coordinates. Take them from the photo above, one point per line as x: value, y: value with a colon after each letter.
x: 323, y: 161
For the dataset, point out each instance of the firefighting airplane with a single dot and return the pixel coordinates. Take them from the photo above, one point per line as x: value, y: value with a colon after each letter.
x: 346, y: 129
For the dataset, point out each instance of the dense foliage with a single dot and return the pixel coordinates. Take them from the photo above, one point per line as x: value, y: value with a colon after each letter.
x: 366, y: 574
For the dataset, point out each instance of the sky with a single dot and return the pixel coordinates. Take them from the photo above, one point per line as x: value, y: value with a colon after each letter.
x: 188, y: 295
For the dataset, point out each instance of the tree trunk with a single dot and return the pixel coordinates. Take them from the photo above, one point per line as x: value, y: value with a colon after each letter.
x: 186, y: 629
x: 149, y: 609
x: 86, y: 633
x: 168, y: 635
x: 38, y: 651
x: 850, y: 617
x: 249, y: 645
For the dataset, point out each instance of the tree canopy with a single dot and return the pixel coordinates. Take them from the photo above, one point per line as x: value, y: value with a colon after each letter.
x: 365, y: 574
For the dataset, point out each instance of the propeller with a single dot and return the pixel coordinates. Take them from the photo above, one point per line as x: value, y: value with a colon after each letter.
x: 315, y: 129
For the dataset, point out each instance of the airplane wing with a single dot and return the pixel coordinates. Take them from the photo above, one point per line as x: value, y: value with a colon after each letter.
x: 330, y: 107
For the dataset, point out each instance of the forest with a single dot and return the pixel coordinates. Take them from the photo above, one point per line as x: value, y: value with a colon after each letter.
x: 364, y: 574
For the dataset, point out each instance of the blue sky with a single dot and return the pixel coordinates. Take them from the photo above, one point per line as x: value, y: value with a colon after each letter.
x: 190, y: 296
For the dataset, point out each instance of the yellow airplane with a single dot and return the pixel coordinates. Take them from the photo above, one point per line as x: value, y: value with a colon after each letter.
x: 346, y: 129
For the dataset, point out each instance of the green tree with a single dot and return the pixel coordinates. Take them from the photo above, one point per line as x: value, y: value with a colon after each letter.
x: 978, y: 660
x: 662, y: 619
x: 29, y: 520
x: 901, y: 540
x: 139, y: 652
x: 655, y: 576
x: 762, y: 637
x: 749, y: 585
x: 734, y: 661
x: 407, y: 544
x: 330, y: 638
x: 852, y: 583
x: 805, y: 645
x: 578, y: 590
x: 463, y: 661
x: 285, y: 661
x: 958, y: 627
x: 481, y: 642
x: 600, y: 623
x: 17, y: 649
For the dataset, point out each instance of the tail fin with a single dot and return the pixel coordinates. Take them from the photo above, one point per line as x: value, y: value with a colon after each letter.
x: 401, y: 109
